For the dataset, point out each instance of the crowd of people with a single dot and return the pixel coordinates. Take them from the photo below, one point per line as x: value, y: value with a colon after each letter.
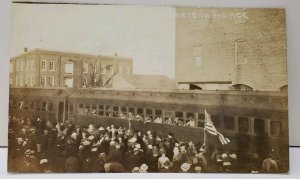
x: 37, y: 145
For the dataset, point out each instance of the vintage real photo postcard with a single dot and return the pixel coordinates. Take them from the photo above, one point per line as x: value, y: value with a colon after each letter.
x: 123, y: 88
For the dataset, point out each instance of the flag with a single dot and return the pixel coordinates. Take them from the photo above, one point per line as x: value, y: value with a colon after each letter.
x: 210, y: 128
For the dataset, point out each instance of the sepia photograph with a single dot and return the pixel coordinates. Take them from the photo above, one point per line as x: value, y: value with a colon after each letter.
x: 147, y: 89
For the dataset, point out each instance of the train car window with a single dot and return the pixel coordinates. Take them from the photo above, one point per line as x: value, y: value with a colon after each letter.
x: 131, y: 110
x: 229, y: 122
x: 178, y: 118
x: 169, y: 117
x: 87, y: 109
x: 259, y: 126
x: 101, y: 110
x: 275, y: 128
x: 123, y: 111
x: 190, y: 119
x: 14, y: 102
x: 201, y: 120
x: 94, y: 109
x: 38, y: 105
x: 140, y: 114
x: 158, y: 112
x: 25, y: 105
x: 107, y: 110
x: 44, y: 106
x: 158, y: 116
x: 216, y: 120
x: 81, y: 108
x: 149, y: 112
x: 149, y: 115
x: 31, y: 104
x: 140, y: 111
x: 243, y: 125
x: 71, y: 108
x: 115, y: 111
x: 50, y: 106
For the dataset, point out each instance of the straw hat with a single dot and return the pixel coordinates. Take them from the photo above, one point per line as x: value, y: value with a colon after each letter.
x: 143, y: 168
x: 185, y: 167
x: 135, y: 169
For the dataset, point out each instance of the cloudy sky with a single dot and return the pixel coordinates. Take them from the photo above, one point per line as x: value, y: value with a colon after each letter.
x: 146, y: 34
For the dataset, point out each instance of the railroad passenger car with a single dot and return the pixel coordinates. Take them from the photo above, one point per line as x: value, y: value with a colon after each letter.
x: 255, y: 122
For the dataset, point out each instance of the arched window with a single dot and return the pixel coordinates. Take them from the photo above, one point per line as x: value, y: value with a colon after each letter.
x: 284, y: 88
x: 240, y: 87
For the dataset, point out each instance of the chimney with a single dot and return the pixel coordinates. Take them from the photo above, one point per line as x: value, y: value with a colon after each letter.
x: 25, y: 49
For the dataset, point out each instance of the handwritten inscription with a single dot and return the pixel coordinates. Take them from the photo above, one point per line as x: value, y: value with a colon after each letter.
x: 214, y: 14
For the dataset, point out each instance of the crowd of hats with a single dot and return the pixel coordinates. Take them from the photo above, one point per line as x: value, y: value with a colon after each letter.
x: 41, y: 146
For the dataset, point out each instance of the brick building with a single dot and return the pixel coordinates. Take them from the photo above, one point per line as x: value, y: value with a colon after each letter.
x: 45, y: 68
x: 231, y: 49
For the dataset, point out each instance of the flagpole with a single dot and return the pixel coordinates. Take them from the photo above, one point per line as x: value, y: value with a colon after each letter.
x: 204, y: 133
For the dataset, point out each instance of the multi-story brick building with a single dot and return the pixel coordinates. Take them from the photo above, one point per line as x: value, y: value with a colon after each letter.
x: 45, y: 68
x: 231, y: 49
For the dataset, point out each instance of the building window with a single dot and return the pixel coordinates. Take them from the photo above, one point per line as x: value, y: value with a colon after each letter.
x: 32, y: 65
x: 51, y: 66
x: 69, y: 68
x: 27, y: 65
x: 22, y: 65
x: 43, y: 65
x: 43, y: 81
x: 21, y: 81
x: 120, y: 69
x: 111, y: 69
x: 85, y: 67
x: 32, y: 83
x: 18, y: 66
x: 17, y: 80
x: 240, y: 87
x: 27, y: 78
x: 51, y: 81
x: 69, y: 82
x: 84, y: 82
x: 241, y: 51
x: 103, y: 69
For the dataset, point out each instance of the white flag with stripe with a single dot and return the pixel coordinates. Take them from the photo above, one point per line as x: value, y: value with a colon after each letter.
x: 210, y: 128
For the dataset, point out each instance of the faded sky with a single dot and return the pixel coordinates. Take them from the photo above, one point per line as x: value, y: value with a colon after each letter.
x: 146, y: 34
